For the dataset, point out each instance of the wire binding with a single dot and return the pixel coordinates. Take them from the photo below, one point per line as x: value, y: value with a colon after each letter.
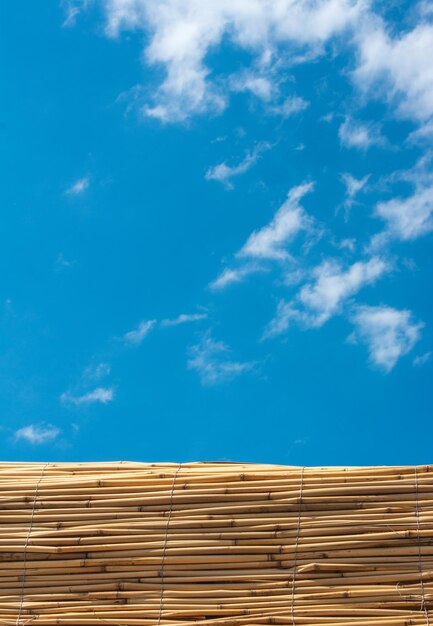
x: 298, y: 530
x: 423, y: 602
x: 161, y: 603
x: 23, y: 582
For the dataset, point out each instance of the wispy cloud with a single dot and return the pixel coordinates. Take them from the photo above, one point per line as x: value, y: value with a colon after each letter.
x: 388, y: 333
x: 347, y: 244
x: 420, y: 175
x: 223, y: 173
x: 71, y: 17
x: 102, y: 395
x: 72, y: 9
x: 422, y: 359
x: 423, y: 133
x: 324, y: 296
x: 62, y: 263
x: 360, y: 135
x: 37, y: 434
x: 136, y: 336
x: 78, y: 187
x: 406, y: 218
x: 262, y: 84
x: 333, y: 286
x: 96, y: 372
x: 290, y: 106
x: 270, y: 242
x: 213, y: 362
x: 230, y: 276
x: 353, y: 187
x: 184, y: 318
x: 286, y: 311
x: 397, y: 69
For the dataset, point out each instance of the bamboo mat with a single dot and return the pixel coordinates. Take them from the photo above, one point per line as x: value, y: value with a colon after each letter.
x: 215, y: 543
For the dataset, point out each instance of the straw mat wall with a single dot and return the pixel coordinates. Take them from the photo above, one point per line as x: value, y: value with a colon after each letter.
x: 218, y: 544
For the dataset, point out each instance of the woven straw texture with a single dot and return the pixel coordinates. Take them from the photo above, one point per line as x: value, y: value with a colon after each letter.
x: 216, y: 544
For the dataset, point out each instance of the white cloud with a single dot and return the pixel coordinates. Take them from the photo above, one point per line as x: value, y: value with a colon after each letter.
x: 327, y: 118
x: 212, y: 361
x: 421, y: 359
x: 265, y: 87
x: 72, y: 9
x: 290, y: 106
x: 348, y: 244
x: 333, y: 286
x: 425, y: 8
x: 388, y: 333
x: 353, y: 187
x: 184, y: 318
x: 420, y: 175
x: 181, y: 33
x: 261, y: 86
x: 280, y: 322
x: 398, y: 68
x: 319, y: 300
x: 223, y: 173
x: 62, y: 263
x: 37, y: 434
x: 406, y: 218
x: 229, y: 276
x: 71, y: 17
x: 294, y: 276
x: 103, y: 395
x: 97, y: 372
x: 422, y: 134
x: 411, y: 216
x: 360, y: 135
x: 78, y: 187
x: 270, y: 242
x: 136, y: 336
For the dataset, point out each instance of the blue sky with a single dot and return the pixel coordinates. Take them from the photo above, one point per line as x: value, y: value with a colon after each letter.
x: 217, y: 228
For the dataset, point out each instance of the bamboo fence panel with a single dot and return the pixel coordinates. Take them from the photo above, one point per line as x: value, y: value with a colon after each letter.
x: 221, y: 544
